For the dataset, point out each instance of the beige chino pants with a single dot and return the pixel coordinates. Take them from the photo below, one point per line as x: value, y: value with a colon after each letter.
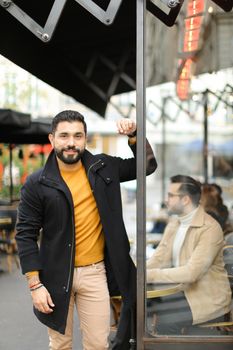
x: 91, y: 297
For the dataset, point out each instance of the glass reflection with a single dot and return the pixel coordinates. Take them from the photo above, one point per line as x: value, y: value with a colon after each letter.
x: 189, y: 271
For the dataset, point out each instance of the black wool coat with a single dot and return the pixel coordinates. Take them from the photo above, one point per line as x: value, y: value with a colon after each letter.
x: 46, y: 207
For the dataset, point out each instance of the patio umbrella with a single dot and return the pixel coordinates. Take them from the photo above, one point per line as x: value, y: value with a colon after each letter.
x: 10, y: 119
x: 197, y: 146
x: 36, y: 133
x: 226, y: 147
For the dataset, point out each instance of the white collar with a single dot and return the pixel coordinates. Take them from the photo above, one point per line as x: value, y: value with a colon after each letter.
x: 187, y: 219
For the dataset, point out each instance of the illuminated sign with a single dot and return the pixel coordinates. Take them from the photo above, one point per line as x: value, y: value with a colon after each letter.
x: 191, y: 44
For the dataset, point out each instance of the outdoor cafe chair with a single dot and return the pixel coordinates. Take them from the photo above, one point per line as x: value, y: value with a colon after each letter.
x: 7, y: 236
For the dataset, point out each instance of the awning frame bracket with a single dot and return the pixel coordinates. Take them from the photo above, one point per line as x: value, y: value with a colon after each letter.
x: 169, y: 18
x: 45, y: 33
x: 117, y: 74
x: 106, y: 17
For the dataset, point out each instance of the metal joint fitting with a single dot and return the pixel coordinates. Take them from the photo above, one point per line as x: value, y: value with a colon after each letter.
x: 6, y: 3
x: 44, y: 36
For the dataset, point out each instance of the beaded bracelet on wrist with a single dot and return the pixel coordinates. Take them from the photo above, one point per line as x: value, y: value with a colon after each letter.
x: 34, y: 285
x: 32, y: 289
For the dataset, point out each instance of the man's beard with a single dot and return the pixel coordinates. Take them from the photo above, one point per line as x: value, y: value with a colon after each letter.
x: 178, y: 210
x: 70, y: 158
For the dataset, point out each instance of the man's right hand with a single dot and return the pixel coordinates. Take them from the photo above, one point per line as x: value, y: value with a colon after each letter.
x: 42, y: 300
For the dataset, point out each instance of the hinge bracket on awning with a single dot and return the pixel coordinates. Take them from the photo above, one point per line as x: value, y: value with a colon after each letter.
x: 106, y: 17
x: 45, y: 33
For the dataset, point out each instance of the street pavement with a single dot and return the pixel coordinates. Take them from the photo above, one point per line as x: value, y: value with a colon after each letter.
x: 19, y: 328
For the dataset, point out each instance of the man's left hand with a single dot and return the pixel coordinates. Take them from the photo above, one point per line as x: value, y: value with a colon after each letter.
x: 126, y: 126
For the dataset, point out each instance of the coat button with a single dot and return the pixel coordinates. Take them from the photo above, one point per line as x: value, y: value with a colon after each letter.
x: 69, y: 245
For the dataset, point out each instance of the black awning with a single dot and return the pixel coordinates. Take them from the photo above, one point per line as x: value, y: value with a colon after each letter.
x: 85, y: 59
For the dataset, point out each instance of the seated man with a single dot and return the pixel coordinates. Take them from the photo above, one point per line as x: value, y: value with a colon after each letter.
x: 191, y: 253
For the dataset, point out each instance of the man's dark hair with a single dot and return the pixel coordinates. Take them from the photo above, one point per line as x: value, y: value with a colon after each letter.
x: 68, y: 116
x: 189, y: 187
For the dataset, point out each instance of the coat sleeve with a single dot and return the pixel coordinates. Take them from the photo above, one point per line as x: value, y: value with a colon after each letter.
x: 28, y: 227
x: 209, y: 244
x: 128, y: 167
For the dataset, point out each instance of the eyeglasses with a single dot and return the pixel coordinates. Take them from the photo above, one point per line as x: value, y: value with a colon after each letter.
x: 171, y: 195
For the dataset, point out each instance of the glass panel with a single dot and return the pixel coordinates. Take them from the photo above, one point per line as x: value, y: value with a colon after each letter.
x: 190, y: 220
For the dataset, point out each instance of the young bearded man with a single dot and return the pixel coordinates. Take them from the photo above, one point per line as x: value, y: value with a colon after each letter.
x: 83, y: 254
x: 190, y: 253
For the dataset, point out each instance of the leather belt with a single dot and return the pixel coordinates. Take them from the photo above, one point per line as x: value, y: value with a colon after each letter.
x: 89, y: 264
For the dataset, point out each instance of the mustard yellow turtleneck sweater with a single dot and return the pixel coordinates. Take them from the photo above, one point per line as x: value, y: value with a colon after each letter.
x: 89, y: 238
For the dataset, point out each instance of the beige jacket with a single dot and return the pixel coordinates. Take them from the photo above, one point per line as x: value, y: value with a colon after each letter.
x: 201, y: 269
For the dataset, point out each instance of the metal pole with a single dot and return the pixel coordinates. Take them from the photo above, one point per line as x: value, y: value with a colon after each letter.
x: 163, y: 156
x: 141, y: 170
x: 205, y: 143
x: 10, y: 172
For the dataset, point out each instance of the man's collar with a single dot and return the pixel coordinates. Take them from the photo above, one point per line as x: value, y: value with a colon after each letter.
x: 198, y: 219
x: 187, y: 218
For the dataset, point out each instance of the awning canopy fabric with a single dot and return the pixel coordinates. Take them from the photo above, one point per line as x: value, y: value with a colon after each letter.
x: 85, y: 59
